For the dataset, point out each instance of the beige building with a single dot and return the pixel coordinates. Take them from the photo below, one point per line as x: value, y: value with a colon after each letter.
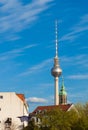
x: 12, y: 107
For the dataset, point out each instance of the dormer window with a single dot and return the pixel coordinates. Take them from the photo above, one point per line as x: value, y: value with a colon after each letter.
x: 38, y: 111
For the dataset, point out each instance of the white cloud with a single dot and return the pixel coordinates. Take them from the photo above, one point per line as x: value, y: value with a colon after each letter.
x: 37, y: 67
x: 78, y: 76
x: 15, y: 52
x: 15, y: 16
x: 36, y: 100
x: 79, y: 60
x: 77, y: 29
x: 78, y: 96
x: 46, y: 85
x: 83, y: 20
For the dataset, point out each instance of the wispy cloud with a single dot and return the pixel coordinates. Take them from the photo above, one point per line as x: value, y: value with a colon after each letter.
x: 36, y: 100
x: 84, y: 47
x: 79, y: 60
x: 78, y: 76
x: 77, y: 29
x: 15, y: 52
x: 79, y: 96
x: 45, y: 85
x: 16, y: 16
x: 37, y: 67
x: 83, y: 20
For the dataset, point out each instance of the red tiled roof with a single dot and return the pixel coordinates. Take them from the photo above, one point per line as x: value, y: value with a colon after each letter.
x: 63, y: 107
x: 21, y: 96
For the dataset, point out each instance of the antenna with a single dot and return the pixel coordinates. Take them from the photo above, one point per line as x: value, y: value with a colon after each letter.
x: 62, y: 78
x: 56, y: 32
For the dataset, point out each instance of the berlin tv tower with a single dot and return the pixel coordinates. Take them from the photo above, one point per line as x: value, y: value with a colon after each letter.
x: 56, y: 70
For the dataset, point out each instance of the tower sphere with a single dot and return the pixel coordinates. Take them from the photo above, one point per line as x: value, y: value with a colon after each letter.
x: 56, y: 71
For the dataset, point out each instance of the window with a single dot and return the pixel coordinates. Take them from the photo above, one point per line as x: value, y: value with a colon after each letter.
x: 8, y: 122
x: 1, y: 97
x: 36, y: 119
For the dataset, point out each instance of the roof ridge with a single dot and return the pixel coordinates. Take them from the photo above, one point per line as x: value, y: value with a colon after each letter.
x: 21, y: 96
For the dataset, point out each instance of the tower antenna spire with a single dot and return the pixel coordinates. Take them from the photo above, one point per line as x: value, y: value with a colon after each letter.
x: 56, y: 32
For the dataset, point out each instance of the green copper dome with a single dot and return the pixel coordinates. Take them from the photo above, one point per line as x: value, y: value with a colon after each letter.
x: 63, y: 91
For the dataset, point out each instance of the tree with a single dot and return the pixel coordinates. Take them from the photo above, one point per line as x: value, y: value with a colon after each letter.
x: 82, y: 122
x: 57, y: 119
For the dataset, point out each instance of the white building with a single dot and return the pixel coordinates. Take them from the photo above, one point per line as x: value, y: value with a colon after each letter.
x: 12, y: 106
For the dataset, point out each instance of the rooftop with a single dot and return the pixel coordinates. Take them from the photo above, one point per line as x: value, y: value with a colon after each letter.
x: 65, y: 107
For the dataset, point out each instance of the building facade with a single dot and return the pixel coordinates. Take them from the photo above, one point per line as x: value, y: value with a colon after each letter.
x: 12, y: 107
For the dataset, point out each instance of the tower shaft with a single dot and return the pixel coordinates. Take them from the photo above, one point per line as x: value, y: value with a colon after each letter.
x: 56, y: 99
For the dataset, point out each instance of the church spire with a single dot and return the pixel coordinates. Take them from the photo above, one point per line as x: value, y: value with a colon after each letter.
x: 63, y: 87
x: 63, y: 94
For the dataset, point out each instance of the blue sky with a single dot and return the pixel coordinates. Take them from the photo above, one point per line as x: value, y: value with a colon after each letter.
x: 27, y: 48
